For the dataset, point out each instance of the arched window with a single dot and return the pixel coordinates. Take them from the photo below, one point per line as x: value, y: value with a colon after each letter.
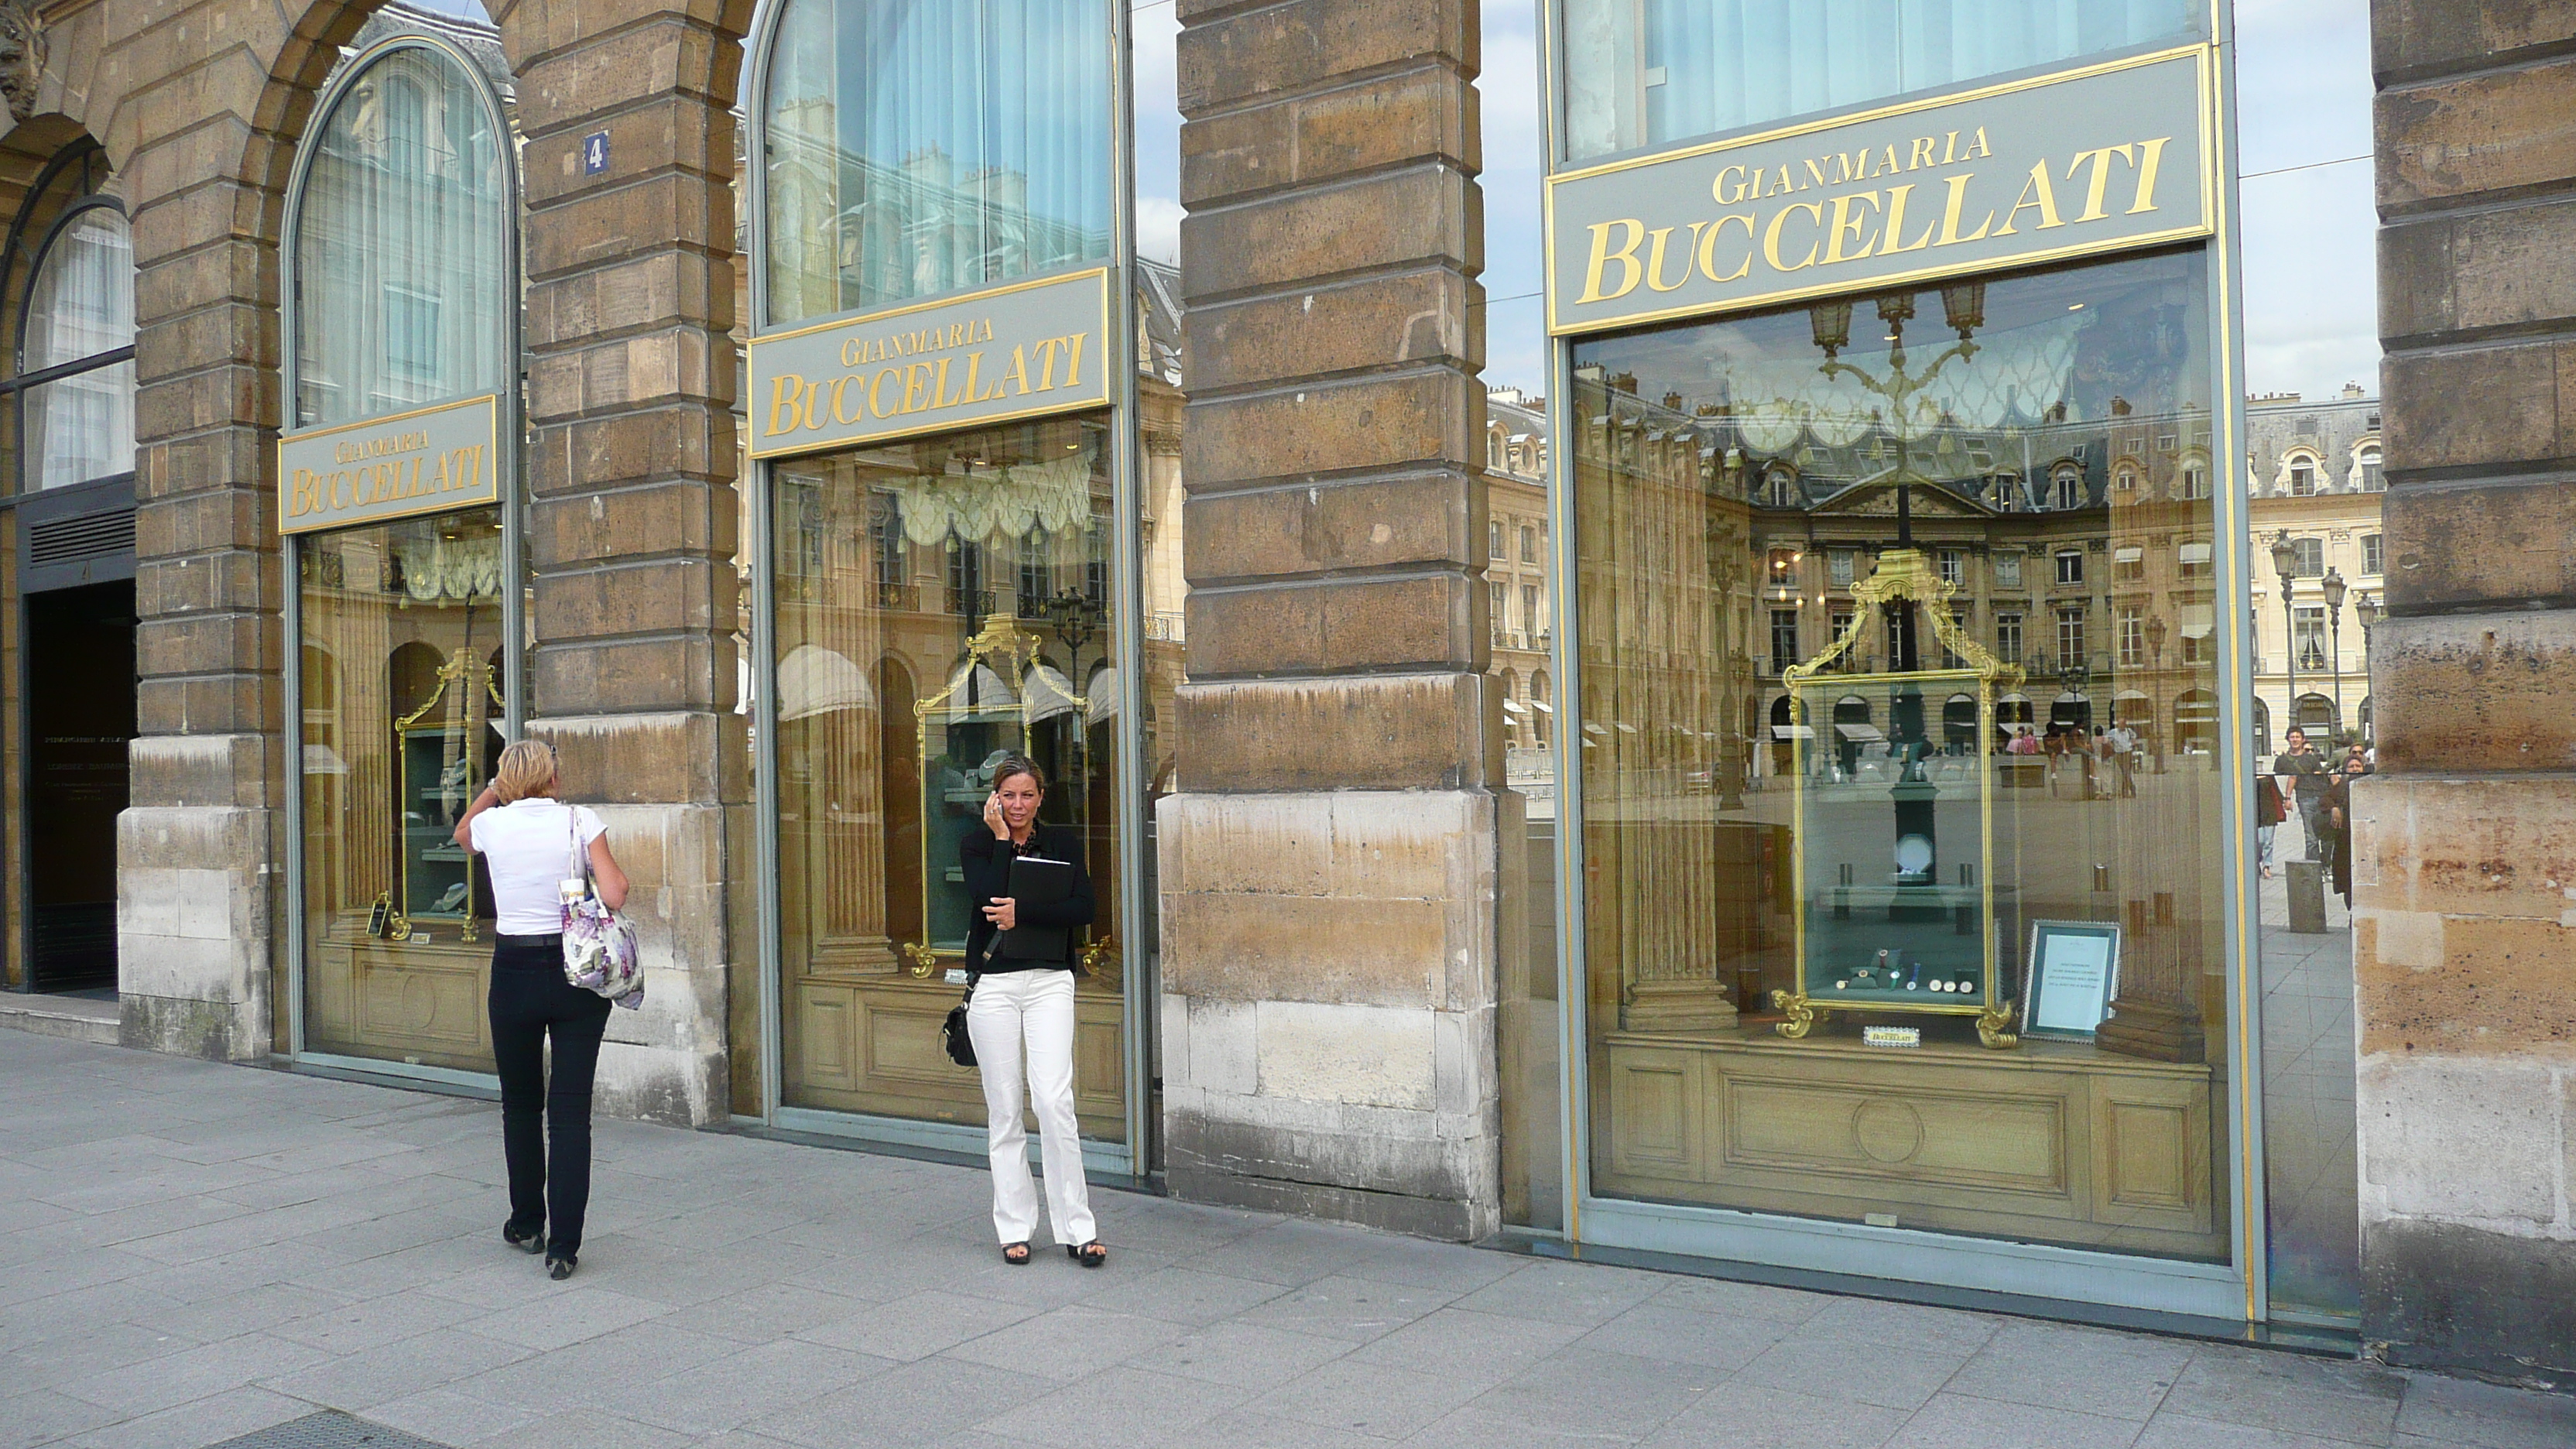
x: 2067, y: 488
x: 402, y: 302
x: 2365, y: 464
x: 898, y: 168
x: 79, y: 341
x: 2303, y: 475
x: 402, y: 244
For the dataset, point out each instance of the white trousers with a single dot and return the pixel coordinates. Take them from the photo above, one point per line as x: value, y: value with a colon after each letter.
x: 1034, y: 1008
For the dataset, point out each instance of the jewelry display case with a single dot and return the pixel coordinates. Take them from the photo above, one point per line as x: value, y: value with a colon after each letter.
x: 1894, y: 835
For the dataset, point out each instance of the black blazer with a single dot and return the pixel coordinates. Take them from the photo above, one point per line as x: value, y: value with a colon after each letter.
x: 987, y: 864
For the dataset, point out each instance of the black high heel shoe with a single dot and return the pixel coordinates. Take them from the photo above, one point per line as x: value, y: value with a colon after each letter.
x: 558, y: 1268
x: 526, y: 1240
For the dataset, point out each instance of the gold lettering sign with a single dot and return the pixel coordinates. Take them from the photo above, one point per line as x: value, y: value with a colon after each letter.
x: 1024, y: 350
x: 431, y: 460
x: 2108, y: 157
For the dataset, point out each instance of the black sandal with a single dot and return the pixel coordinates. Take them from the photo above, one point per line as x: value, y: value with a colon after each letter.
x: 1089, y: 1255
x: 1021, y: 1249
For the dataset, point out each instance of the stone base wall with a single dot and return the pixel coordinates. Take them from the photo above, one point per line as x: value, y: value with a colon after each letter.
x: 1328, y: 1005
x: 2465, y: 961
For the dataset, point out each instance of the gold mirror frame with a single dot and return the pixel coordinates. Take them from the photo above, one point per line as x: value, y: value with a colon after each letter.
x: 1907, y: 575
x: 454, y: 671
x: 1001, y: 638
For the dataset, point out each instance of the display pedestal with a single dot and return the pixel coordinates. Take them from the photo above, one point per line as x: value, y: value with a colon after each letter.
x: 1677, y: 1006
x: 2053, y: 1142
x: 2153, y: 1031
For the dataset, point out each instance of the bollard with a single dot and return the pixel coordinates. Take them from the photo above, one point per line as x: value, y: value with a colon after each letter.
x: 2306, y: 880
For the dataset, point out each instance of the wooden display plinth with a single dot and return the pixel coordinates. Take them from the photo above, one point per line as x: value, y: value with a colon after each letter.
x: 2051, y: 1142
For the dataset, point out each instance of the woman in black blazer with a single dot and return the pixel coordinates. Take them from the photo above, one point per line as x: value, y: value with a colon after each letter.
x: 1021, y: 1004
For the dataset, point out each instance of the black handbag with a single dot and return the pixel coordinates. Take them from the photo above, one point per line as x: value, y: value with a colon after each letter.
x: 952, y: 1032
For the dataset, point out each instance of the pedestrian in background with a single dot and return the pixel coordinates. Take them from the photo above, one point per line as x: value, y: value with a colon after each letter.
x: 2268, y: 814
x: 533, y: 846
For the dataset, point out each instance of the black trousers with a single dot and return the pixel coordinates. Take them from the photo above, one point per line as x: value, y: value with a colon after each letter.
x: 530, y: 1000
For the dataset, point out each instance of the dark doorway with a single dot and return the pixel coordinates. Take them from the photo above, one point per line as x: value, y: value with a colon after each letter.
x: 80, y: 718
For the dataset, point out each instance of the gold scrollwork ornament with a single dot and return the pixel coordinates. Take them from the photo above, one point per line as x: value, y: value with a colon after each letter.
x: 920, y: 962
x: 1995, y: 1025
x: 1803, y: 1013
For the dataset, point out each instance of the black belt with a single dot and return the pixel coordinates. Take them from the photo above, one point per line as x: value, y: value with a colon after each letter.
x: 550, y: 938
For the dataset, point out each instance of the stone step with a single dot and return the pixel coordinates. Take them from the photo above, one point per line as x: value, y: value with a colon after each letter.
x: 80, y: 1018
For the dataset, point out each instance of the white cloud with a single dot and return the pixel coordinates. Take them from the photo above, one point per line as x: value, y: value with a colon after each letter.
x: 1158, y: 228
x: 2310, y: 234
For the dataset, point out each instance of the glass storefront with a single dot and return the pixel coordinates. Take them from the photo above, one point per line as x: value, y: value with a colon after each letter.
x: 938, y: 592
x: 942, y: 604
x: 1895, y: 631
x: 404, y: 296
x: 1908, y: 911
x: 1656, y: 73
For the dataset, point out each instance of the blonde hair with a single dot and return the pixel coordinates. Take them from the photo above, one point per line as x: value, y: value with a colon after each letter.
x: 527, y: 768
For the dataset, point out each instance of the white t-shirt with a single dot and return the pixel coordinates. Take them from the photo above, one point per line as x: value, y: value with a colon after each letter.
x: 528, y: 852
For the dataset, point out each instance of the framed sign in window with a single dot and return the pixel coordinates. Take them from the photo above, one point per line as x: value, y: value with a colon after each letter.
x: 2073, y: 973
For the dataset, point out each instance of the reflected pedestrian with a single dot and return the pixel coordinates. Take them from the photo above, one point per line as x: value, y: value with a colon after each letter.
x: 2307, y: 775
x: 2268, y: 814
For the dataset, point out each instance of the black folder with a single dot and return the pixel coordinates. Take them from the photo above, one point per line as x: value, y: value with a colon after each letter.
x: 1038, y: 881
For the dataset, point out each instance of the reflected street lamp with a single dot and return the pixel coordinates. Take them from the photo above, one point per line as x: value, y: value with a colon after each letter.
x: 2285, y: 562
x: 2365, y: 609
x: 2333, y: 586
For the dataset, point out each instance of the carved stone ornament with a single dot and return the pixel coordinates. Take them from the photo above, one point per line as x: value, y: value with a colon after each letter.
x: 22, y: 56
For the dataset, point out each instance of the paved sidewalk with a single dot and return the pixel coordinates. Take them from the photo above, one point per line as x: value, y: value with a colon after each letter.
x: 194, y: 1252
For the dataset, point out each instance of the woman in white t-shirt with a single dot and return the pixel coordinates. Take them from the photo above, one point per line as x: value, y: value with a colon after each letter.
x: 534, y: 850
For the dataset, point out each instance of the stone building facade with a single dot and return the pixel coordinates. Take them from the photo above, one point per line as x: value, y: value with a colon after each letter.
x: 2316, y: 476
x: 2467, y: 1086
x: 1304, y: 604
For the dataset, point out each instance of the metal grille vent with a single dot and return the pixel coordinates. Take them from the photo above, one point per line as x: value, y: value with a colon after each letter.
x: 69, y: 540
x: 329, y: 1429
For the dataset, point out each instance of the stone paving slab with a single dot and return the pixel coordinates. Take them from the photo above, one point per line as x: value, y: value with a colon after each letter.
x: 190, y: 1253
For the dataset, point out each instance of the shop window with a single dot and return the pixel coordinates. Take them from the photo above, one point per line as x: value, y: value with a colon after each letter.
x: 890, y: 721
x: 397, y: 267
x: 1906, y: 839
x: 920, y: 149
x: 80, y: 318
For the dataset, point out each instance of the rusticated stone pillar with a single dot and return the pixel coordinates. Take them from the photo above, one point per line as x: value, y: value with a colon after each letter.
x: 201, y: 138
x: 1329, y: 864
x: 2463, y: 944
x: 631, y: 470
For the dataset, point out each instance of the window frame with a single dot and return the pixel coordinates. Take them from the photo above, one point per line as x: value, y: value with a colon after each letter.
x: 21, y: 382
